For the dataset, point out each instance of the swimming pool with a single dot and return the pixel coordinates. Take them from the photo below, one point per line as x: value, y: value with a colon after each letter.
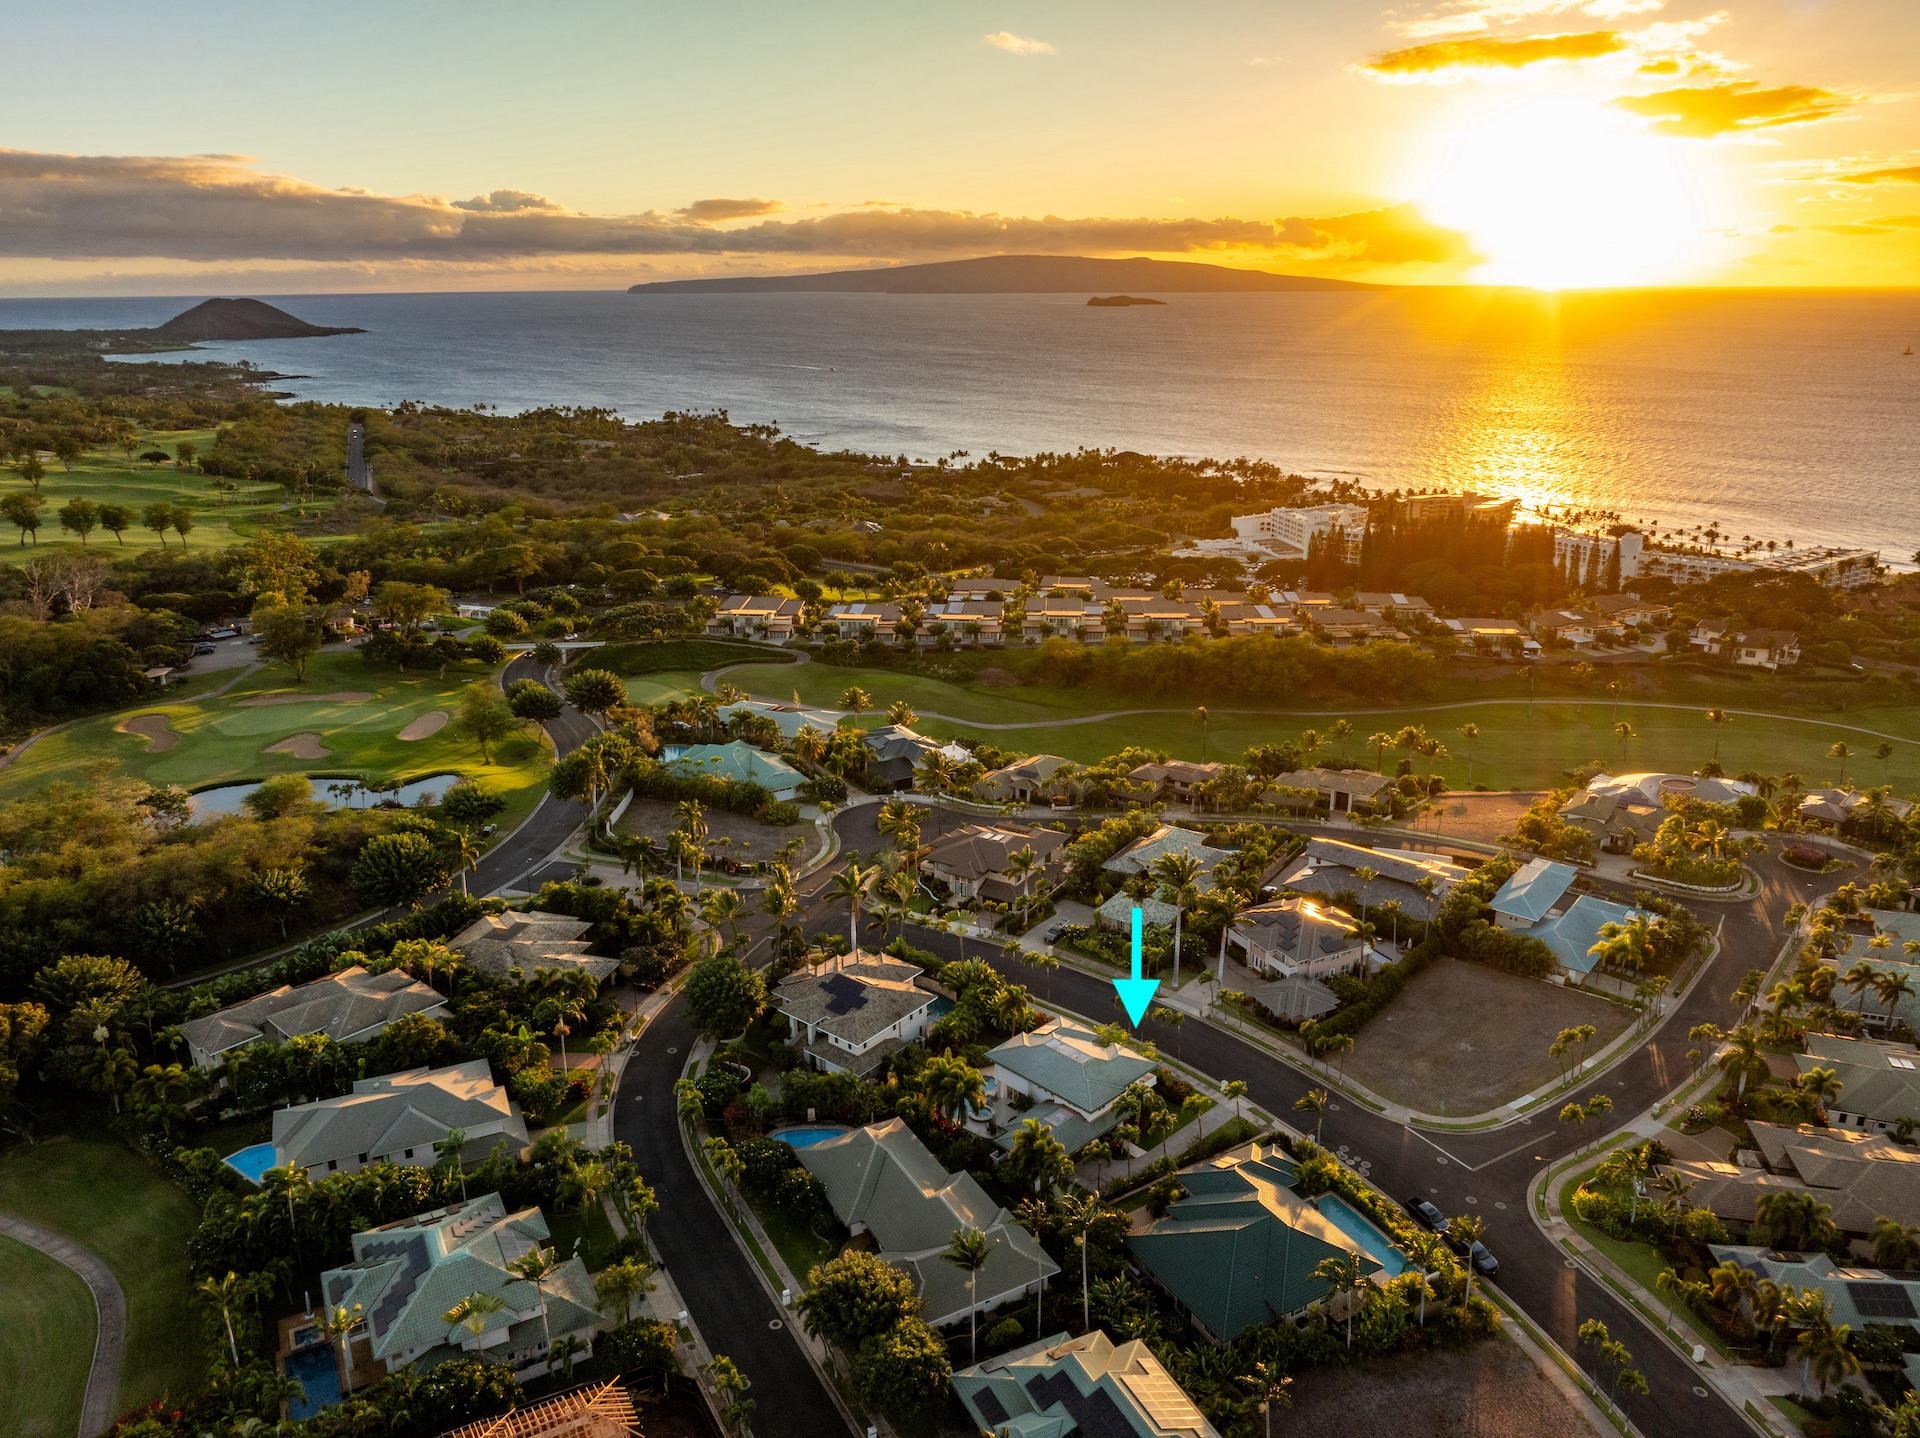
x: 252, y: 1161
x: 807, y: 1135
x: 942, y: 1006
x: 1357, y: 1226
x: 318, y: 1374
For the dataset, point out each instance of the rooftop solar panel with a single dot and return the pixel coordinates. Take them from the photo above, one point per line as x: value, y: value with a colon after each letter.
x: 1882, y: 1300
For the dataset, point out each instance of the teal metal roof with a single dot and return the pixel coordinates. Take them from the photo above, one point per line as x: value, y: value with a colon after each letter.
x: 1534, y: 889
x: 1068, y: 1062
x: 1573, y: 935
x: 1241, y: 1248
x: 739, y: 762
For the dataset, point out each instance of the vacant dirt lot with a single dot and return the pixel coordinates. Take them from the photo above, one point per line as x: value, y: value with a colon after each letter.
x: 1492, y: 1390
x: 1462, y: 1039
x: 728, y: 835
x: 1485, y: 817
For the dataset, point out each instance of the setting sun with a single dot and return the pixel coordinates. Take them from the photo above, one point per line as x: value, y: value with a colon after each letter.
x: 1562, y: 193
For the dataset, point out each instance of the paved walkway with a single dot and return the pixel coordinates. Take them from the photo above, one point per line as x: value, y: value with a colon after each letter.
x: 100, y: 1406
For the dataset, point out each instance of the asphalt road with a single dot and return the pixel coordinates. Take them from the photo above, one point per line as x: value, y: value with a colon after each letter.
x: 554, y: 820
x: 1484, y: 1173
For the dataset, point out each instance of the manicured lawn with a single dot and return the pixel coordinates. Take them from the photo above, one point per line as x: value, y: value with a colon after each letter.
x: 1516, y: 749
x: 590, y: 1229
x: 231, y: 737
x: 105, y: 476
x: 1644, y: 1265
x: 1439, y: 1048
x: 96, y: 1192
x: 48, y: 1321
x: 668, y: 655
x: 659, y: 688
x: 800, y: 1247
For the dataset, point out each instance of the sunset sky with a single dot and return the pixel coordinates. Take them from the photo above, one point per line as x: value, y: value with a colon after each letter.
x: 195, y: 147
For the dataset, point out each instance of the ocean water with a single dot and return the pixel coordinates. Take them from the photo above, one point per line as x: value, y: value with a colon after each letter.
x: 1776, y: 414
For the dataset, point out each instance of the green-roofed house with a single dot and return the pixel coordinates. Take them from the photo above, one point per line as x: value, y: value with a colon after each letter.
x: 740, y: 763
x: 881, y: 1180
x: 407, y: 1276
x: 1240, y: 1249
x: 1069, y: 1079
x: 1061, y: 1387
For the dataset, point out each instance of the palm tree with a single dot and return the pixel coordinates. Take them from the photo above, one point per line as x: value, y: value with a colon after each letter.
x: 1890, y: 987
x: 1467, y: 1230
x: 1313, y: 1101
x: 448, y: 1150
x: 721, y: 909
x: 900, y: 712
x: 968, y: 1251
x: 1742, y: 1060
x: 900, y: 821
x: 223, y: 1293
x: 1719, y: 718
x: 851, y: 884
x: 1022, y: 864
x: 620, y: 1283
x: 694, y: 830
x: 730, y: 1386
x: 1269, y: 1389
x: 1234, y: 1090
x: 1344, y: 1273
x: 1858, y: 980
x: 1826, y: 1354
x: 1468, y: 733
x: 1077, y: 1217
x: 1821, y: 1086
x: 1177, y: 875
x: 564, y: 1352
x: 337, y: 1325
x: 1629, y: 946
x: 1034, y: 1152
x: 537, y: 1265
x: 1895, y: 1244
x: 952, y: 1084
x: 1842, y: 751
x: 557, y: 1015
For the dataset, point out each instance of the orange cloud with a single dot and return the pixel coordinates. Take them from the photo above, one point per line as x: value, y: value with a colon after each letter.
x: 1901, y: 175
x: 714, y: 211
x: 1443, y: 58
x: 1018, y: 44
x: 1737, y: 107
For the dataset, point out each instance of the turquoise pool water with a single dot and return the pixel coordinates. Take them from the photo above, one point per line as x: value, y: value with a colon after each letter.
x: 318, y: 1375
x: 942, y: 1006
x: 252, y: 1161
x: 807, y: 1135
x: 1357, y: 1226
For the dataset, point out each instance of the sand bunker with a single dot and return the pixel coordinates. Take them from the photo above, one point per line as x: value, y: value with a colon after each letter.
x: 154, y: 728
x: 339, y: 696
x: 426, y: 726
x: 301, y: 746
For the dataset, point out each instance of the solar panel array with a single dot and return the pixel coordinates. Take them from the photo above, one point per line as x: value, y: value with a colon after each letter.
x: 1095, y: 1414
x: 1882, y: 1300
x: 990, y: 1406
x: 844, y: 994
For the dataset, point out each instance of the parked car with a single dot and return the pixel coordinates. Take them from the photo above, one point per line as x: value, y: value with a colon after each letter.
x: 203, y: 649
x: 1427, y: 1215
x: 1053, y: 934
x: 1484, y: 1261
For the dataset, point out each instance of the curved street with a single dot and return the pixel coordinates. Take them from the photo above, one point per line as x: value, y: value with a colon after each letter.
x: 1485, y: 1172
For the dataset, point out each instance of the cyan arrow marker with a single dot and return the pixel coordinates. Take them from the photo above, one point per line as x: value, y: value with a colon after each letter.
x: 1136, y: 993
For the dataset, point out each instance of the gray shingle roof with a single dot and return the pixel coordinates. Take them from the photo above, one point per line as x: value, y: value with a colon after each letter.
x: 531, y: 941
x: 883, y: 1179
x: 350, y: 1004
x: 384, y: 1116
x: 853, y: 996
x: 1878, y: 1080
x: 1167, y: 839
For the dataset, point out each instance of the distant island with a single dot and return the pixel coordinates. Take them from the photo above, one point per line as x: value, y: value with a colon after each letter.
x: 1120, y: 302
x: 243, y: 320
x: 1013, y: 275
x: 208, y: 321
